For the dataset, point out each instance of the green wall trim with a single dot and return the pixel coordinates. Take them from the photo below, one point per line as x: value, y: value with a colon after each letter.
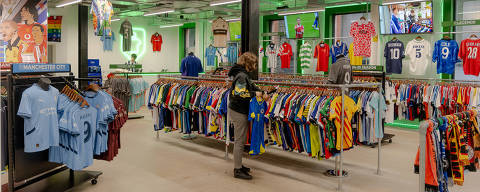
x: 404, y: 124
x: 181, y: 41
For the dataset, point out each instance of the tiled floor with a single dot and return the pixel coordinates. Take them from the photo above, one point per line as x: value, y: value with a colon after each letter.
x: 167, y: 163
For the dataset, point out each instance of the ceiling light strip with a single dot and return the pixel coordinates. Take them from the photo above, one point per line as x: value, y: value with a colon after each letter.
x: 159, y: 12
x: 469, y: 12
x: 68, y: 3
x: 224, y: 2
x: 168, y: 26
x: 233, y: 19
x: 300, y: 12
x: 400, y: 2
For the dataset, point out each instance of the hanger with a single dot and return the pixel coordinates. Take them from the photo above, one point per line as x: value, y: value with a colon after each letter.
x: 419, y: 38
x: 93, y: 87
x: 446, y: 37
x: 473, y: 36
x: 394, y: 38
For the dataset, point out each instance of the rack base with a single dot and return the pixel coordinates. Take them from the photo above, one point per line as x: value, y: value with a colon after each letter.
x: 61, y: 181
x: 387, y: 138
x: 135, y: 116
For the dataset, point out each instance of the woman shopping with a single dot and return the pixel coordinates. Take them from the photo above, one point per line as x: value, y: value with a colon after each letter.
x: 242, y: 91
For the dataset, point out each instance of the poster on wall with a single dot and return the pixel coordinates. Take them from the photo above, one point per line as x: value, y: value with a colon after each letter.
x: 302, y: 25
x: 55, y: 28
x: 23, y: 31
x: 405, y: 18
x: 235, y: 30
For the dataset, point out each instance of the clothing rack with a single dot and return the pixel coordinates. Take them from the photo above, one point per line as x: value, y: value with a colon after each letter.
x: 27, y: 169
x: 132, y: 75
x: 436, y: 79
x: 423, y: 142
x: 339, y: 160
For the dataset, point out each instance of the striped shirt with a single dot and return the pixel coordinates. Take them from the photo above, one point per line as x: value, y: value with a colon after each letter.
x: 305, y: 55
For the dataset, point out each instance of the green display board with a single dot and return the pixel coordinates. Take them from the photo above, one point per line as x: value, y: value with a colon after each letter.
x: 235, y: 29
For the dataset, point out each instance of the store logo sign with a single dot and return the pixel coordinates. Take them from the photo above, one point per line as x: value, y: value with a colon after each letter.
x: 139, y: 44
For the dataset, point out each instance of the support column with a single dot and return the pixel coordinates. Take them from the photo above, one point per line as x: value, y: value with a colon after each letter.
x: 250, y: 28
x: 82, y: 44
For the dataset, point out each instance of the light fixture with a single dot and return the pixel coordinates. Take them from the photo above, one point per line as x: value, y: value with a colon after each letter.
x: 216, y: 3
x: 168, y: 26
x: 233, y: 19
x: 158, y: 12
x: 67, y: 2
x: 469, y: 12
x: 301, y: 11
x: 401, y: 2
x: 345, y: 5
x: 115, y: 19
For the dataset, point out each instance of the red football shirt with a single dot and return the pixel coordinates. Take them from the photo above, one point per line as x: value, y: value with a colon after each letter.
x: 285, y: 54
x: 322, y: 54
x: 299, y: 31
x: 156, y: 41
x: 469, y: 53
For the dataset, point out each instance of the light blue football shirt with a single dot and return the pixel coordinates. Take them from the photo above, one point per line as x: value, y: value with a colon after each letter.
x: 38, y: 108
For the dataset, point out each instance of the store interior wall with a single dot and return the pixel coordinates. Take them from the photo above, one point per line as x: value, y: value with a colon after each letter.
x: 466, y: 10
x: 431, y: 71
x: 67, y: 50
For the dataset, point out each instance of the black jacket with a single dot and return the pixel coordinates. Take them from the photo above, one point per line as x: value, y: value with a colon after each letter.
x: 242, y: 89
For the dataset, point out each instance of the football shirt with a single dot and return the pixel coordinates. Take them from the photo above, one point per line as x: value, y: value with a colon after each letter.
x: 394, y: 54
x: 469, y: 50
x: 419, y: 53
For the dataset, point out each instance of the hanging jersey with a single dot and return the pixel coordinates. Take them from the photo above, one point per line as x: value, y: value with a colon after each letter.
x: 469, y: 53
x: 394, y: 54
x: 286, y: 54
x: 354, y: 60
x: 210, y: 55
x: 419, y: 53
x: 257, y: 111
x: 349, y: 109
x: 39, y: 110
x: 305, y: 55
x: 157, y: 42
x: 322, y: 55
x: 271, y: 52
x: 445, y: 54
x: 299, y: 29
x: 339, y: 48
x: 362, y: 38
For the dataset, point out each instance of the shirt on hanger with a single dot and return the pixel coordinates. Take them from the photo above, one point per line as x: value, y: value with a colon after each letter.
x: 338, y: 48
x: 469, y: 53
x: 322, y: 55
x: 350, y: 108
x: 108, y: 42
x: 419, y: 53
x: 257, y: 111
x: 157, y: 42
x: 38, y: 108
x: 286, y: 54
x: 127, y: 32
x: 362, y: 38
x: 210, y: 55
x: 354, y: 60
x: 271, y: 52
x: 394, y: 54
x: 445, y: 54
x: 305, y: 55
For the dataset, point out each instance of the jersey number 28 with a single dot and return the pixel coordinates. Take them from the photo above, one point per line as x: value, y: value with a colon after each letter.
x: 472, y: 52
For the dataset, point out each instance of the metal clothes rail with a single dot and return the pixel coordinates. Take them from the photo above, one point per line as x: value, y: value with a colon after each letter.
x: 343, y: 88
x: 436, y: 79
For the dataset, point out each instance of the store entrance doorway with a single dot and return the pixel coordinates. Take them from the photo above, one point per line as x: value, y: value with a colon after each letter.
x: 189, y: 40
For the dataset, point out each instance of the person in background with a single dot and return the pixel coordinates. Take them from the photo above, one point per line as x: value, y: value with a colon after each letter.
x: 191, y: 66
x: 132, y: 62
x: 242, y: 91
x: 395, y: 22
x: 299, y: 29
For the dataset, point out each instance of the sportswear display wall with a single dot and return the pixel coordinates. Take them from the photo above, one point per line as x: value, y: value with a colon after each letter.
x: 412, y: 100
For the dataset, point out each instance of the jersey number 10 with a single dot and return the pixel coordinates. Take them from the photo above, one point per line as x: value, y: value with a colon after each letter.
x: 472, y: 52
x: 395, y: 53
